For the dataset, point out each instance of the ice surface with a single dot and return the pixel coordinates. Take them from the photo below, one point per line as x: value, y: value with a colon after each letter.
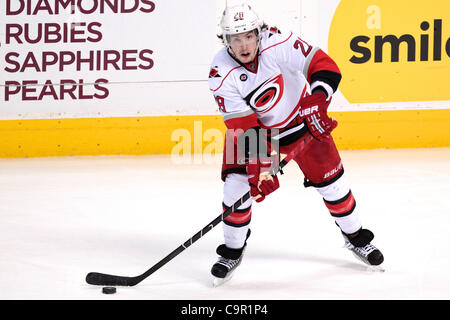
x: 61, y: 218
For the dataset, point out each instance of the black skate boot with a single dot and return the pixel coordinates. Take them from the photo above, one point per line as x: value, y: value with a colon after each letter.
x: 228, y: 261
x: 359, y: 244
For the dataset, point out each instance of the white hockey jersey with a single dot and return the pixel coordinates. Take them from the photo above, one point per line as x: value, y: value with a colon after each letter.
x: 272, y: 86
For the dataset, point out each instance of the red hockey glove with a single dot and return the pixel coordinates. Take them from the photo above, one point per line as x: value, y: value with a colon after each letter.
x: 259, y: 178
x: 313, y: 109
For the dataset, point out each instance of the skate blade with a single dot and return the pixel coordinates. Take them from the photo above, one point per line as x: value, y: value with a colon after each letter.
x: 369, y: 267
x: 378, y: 268
x: 217, y: 282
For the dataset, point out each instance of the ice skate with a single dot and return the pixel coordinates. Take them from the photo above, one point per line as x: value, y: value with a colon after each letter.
x: 227, y: 263
x: 365, y: 251
x: 224, y: 268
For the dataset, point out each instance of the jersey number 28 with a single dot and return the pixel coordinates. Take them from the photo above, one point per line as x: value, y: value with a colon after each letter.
x: 221, y: 103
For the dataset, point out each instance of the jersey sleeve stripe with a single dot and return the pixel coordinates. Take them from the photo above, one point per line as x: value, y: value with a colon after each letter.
x: 321, y: 62
x: 221, y: 83
x: 308, y: 61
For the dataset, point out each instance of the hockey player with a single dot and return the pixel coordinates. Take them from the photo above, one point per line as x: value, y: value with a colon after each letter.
x: 260, y: 82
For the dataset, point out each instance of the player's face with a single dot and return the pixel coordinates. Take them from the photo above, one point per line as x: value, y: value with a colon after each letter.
x: 244, y: 46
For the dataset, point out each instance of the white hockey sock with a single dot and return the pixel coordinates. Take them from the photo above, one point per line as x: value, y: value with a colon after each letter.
x: 342, y: 206
x: 234, y: 230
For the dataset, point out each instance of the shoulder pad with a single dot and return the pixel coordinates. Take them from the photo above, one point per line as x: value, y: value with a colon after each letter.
x: 221, y: 67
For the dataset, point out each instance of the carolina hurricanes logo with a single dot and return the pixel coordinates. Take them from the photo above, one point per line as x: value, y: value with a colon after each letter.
x: 267, y: 95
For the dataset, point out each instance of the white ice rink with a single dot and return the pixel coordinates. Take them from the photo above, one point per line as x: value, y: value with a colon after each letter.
x: 61, y: 218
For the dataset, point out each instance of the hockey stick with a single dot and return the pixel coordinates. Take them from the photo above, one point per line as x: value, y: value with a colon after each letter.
x: 96, y: 278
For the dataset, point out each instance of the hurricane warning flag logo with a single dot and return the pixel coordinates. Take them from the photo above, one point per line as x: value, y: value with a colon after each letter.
x: 214, y: 72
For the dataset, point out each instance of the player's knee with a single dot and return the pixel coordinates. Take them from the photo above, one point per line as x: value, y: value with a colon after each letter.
x: 236, y: 185
x: 335, y: 190
x: 341, y: 204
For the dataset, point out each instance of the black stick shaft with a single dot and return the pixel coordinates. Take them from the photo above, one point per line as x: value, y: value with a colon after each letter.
x: 96, y: 278
x: 197, y: 236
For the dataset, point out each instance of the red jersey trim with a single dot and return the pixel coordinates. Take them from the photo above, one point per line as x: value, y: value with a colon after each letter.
x: 214, y: 90
x: 248, y: 66
x: 243, y: 123
x: 276, y: 44
x: 254, y: 63
x: 321, y: 62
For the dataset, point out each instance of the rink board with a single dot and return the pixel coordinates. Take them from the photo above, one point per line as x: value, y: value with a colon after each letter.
x: 197, y: 134
x: 121, y: 77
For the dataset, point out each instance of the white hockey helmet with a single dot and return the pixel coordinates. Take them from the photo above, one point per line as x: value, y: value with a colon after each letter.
x: 238, y: 19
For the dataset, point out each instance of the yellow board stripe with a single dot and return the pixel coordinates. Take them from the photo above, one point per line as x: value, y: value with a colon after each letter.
x: 392, y: 129
x: 164, y: 135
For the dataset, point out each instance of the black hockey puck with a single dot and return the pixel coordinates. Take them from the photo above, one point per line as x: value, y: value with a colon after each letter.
x: 109, y: 290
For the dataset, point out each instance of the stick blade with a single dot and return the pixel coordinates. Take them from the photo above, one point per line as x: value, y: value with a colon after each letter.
x: 102, y: 279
